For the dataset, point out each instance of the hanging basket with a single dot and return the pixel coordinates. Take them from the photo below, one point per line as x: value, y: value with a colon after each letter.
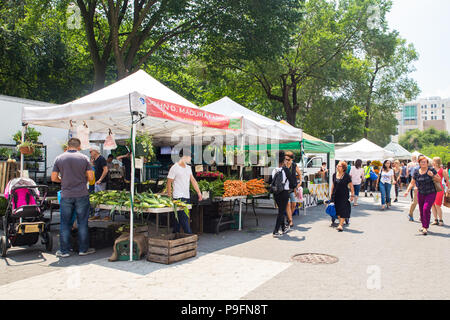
x: 26, y: 150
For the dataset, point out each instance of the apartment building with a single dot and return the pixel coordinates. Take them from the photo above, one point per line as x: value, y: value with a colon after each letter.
x: 423, y: 114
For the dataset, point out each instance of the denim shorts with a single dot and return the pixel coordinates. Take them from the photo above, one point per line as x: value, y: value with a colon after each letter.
x: 292, y: 197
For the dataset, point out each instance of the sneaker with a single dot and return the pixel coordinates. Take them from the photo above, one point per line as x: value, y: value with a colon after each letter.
x: 286, y: 229
x: 395, y: 200
x: 276, y: 234
x: 89, y: 251
x: 94, y: 218
x: 411, y: 218
x: 60, y: 254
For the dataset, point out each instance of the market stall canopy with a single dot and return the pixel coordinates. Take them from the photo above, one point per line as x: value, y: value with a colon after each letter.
x: 417, y: 154
x: 311, y: 144
x: 165, y: 113
x: 400, y: 153
x: 254, y: 124
x: 364, y: 150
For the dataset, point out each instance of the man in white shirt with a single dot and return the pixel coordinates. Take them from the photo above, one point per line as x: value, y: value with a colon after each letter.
x: 180, y: 176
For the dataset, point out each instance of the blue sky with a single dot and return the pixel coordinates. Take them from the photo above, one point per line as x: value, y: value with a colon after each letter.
x: 426, y: 24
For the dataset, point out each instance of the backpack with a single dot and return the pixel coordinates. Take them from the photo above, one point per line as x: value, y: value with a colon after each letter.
x: 277, y: 185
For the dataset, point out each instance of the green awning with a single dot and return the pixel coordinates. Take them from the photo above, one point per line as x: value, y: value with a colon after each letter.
x: 310, y: 145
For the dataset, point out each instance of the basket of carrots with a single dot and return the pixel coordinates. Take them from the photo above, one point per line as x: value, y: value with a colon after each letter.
x: 234, y: 188
x: 256, y: 187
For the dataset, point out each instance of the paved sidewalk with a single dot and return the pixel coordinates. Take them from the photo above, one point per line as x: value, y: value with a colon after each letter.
x: 381, y: 256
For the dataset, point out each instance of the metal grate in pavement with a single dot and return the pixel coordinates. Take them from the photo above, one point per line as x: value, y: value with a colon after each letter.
x: 315, y: 258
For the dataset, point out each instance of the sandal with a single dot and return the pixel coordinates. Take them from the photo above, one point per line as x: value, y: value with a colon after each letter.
x: 340, y: 228
x: 441, y: 222
x: 435, y: 223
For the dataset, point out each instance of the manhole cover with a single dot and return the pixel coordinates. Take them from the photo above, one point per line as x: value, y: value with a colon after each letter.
x: 315, y: 258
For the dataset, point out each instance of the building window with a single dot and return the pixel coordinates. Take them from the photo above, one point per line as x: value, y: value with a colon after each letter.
x: 443, y: 117
x: 425, y: 118
x: 410, y: 115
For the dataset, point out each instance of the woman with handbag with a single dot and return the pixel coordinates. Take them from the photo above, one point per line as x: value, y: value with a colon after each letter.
x: 425, y: 179
x: 384, y: 184
x: 342, y: 182
x: 437, y: 207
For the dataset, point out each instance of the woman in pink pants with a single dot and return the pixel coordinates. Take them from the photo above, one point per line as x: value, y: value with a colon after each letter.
x: 423, y: 179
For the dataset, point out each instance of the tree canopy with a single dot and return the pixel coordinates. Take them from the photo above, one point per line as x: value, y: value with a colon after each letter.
x: 332, y: 68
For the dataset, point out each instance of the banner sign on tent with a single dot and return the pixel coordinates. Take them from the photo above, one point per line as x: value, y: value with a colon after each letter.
x: 171, y: 111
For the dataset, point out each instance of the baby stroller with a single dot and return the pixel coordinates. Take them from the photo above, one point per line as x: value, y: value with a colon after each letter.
x: 24, y: 222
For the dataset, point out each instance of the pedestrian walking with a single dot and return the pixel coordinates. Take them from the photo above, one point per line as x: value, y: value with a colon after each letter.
x: 73, y: 170
x: 410, y: 168
x: 384, y: 184
x: 397, y: 172
x: 342, y: 182
x: 357, y: 175
x: 180, y: 177
x: 424, y: 179
x: 437, y: 206
x: 294, y: 171
x: 280, y: 182
x: 368, y: 184
x: 403, y: 177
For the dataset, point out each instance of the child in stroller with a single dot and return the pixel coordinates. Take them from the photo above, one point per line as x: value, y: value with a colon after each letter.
x: 24, y: 222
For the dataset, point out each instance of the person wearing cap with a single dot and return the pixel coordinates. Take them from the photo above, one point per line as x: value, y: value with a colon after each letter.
x: 178, y: 180
x: 101, y: 171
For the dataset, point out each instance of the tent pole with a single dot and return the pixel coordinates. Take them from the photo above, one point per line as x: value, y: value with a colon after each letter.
x: 133, y: 141
x: 241, y: 177
x: 21, y: 154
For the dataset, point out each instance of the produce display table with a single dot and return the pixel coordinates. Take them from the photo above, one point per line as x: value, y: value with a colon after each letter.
x: 251, y: 199
x: 232, y: 202
x: 156, y: 211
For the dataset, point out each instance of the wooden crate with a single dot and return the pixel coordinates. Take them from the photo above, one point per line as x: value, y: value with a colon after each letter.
x: 172, y: 248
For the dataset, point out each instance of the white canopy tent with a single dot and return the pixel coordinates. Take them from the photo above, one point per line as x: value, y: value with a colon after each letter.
x: 417, y: 154
x: 254, y: 124
x: 111, y: 108
x: 400, y: 153
x: 364, y: 150
x: 139, y: 102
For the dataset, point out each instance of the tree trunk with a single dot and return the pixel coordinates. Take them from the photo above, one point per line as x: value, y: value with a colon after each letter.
x: 99, y: 76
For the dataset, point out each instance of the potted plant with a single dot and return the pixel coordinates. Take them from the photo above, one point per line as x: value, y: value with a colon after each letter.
x: 26, y: 147
x: 144, y: 146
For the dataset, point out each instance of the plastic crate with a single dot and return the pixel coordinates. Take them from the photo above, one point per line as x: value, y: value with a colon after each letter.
x: 123, y: 250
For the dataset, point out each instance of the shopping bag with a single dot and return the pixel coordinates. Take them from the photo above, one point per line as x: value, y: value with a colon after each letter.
x: 447, y: 199
x: 376, y: 197
x: 110, y: 142
x: 373, y: 176
x: 83, y: 135
x: 331, y: 210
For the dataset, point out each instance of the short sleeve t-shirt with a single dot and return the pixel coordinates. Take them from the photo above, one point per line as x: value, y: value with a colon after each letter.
x: 386, y: 177
x: 72, y: 167
x: 356, y: 175
x: 99, y: 164
x: 285, y: 178
x: 181, y: 180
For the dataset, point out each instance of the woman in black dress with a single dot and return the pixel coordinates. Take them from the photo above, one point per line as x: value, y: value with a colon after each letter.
x: 339, y: 194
